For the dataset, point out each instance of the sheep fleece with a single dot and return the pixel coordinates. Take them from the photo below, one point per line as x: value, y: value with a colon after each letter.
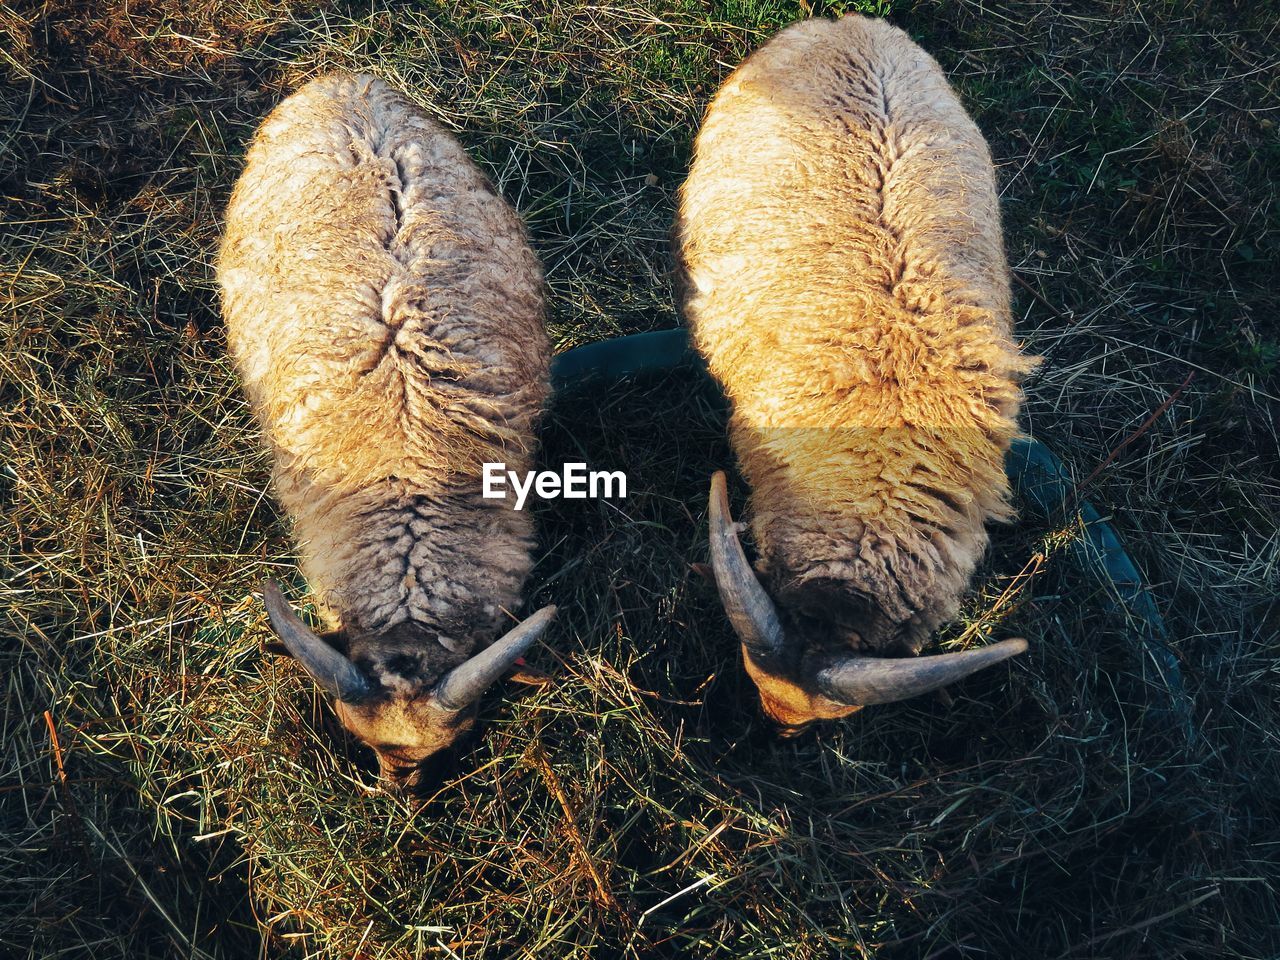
x: 386, y: 315
x: 844, y: 275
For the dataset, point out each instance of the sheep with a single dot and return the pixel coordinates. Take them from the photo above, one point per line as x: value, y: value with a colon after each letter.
x: 385, y: 313
x: 842, y: 271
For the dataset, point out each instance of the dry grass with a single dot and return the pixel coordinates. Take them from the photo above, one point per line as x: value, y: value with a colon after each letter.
x: 171, y: 790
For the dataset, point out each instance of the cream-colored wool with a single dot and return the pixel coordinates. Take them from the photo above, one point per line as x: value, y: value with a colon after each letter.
x: 386, y: 314
x: 844, y: 276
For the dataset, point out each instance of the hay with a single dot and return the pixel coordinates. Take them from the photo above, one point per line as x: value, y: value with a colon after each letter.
x: 171, y: 789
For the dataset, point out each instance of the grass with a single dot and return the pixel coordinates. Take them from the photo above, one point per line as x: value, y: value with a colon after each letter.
x: 169, y: 789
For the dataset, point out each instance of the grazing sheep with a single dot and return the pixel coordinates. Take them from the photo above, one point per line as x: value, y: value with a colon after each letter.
x: 385, y: 312
x: 844, y: 276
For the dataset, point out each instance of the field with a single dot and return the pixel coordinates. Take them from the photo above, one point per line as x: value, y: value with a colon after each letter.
x: 170, y: 788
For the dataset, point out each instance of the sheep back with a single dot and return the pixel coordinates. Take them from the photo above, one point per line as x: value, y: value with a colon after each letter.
x: 386, y: 315
x: 844, y: 275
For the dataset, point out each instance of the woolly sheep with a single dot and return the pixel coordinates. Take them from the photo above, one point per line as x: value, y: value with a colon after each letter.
x: 385, y: 312
x: 844, y: 276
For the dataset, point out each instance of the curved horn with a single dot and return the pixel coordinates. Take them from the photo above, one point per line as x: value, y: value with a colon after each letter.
x: 337, y: 675
x: 464, y: 683
x: 861, y: 681
x: 749, y: 608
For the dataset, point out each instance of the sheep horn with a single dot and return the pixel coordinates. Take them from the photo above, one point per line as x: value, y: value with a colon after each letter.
x: 749, y: 608
x: 337, y: 675
x: 861, y: 681
x: 463, y: 684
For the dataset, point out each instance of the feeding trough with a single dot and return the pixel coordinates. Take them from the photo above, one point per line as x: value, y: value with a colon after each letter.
x: 1038, y: 477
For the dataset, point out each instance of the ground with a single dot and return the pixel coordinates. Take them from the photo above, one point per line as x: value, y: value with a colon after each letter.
x: 171, y: 788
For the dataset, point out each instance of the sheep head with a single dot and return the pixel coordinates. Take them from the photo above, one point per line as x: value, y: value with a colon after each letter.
x: 800, y: 682
x: 403, y: 722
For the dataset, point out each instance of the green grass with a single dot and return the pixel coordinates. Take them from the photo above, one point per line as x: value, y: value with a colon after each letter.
x: 189, y: 794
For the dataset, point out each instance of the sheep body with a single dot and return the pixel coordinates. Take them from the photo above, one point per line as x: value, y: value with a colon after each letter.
x: 386, y: 315
x: 844, y: 275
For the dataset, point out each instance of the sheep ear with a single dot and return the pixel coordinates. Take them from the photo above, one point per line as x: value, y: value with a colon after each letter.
x: 464, y: 684
x: 863, y: 681
x: 748, y: 606
x: 335, y: 674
